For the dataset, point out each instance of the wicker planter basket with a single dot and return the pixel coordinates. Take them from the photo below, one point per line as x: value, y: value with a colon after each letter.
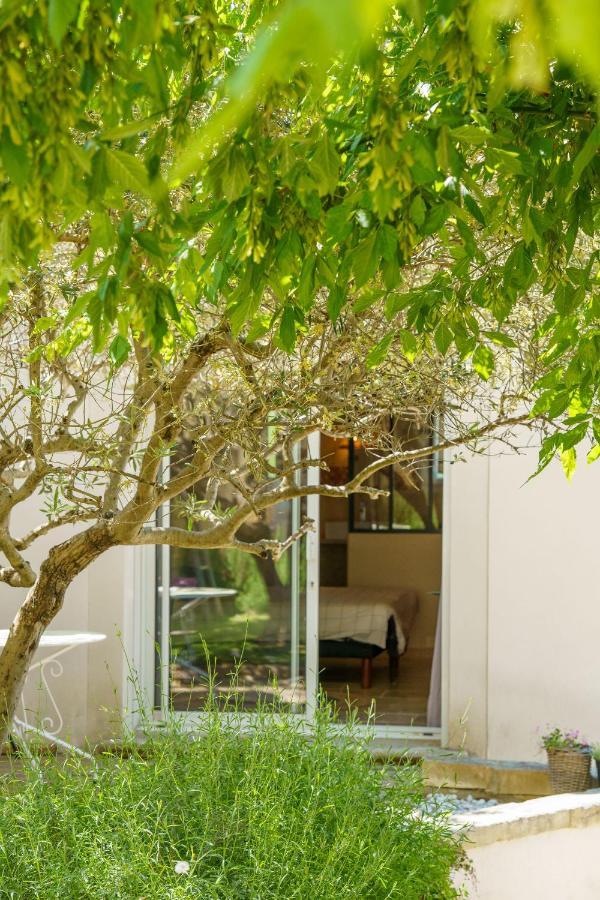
x: 569, y: 770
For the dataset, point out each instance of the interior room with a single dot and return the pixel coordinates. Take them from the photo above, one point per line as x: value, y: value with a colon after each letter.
x: 380, y: 578
x: 237, y: 621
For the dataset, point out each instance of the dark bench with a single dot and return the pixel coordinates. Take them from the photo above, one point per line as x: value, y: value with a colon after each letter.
x: 348, y: 648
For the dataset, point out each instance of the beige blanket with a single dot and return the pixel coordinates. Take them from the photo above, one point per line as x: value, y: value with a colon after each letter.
x: 362, y: 613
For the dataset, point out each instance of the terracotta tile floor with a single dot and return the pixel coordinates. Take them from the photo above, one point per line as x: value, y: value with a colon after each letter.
x: 403, y: 703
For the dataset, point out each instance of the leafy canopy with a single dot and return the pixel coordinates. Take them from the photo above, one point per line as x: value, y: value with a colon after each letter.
x: 253, y: 156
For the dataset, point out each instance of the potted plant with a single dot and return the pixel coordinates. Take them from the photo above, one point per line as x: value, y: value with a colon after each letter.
x: 569, y: 757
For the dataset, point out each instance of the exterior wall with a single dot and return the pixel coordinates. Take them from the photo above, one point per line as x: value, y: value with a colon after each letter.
x: 406, y: 560
x: 88, y: 692
x: 538, y: 850
x: 558, y: 864
x: 522, y: 594
x: 524, y: 605
x: 465, y: 593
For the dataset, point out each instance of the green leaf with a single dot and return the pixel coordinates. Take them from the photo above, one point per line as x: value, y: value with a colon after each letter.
x: 442, y: 152
x: 474, y: 208
x: 168, y: 302
x: 235, y: 177
x: 14, y: 159
x: 443, y: 336
x: 471, y: 134
x: 126, y: 171
x: 325, y: 166
x: 335, y: 301
x: 518, y: 268
x: 128, y: 129
x: 378, y: 353
x: 366, y: 300
x: 5, y: 241
x: 149, y: 242
x: 506, y: 161
x: 44, y: 323
x: 436, y: 217
x: 408, y: 342
x: 60, y: 15
x: 119, y: 350
x: 483, y: 361
x: 498, y: 337
x: 306, y: 282
x: 259, y: 327
x: 418, y: 210
x: 387, y: 242
x: 586, y: 154
x: 594, y: 453
x: 338, y: 222
x: 574, y: 436
x: 243, y: 305
x: 395, y: 303
x: 364, y: 260
x: 79, y: 307
x: 287, y: 329
x: 568, y: 460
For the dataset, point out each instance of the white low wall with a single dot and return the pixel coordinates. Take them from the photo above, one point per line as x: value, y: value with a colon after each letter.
x: 544, y: 849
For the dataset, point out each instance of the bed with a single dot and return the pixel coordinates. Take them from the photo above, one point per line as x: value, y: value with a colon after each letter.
x: 363, y: 622
x: 354, y: 623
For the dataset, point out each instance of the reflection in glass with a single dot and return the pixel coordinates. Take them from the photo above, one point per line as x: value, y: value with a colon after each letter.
x: 232, y: 613
x: 370, y: 513
x: 413, y: 500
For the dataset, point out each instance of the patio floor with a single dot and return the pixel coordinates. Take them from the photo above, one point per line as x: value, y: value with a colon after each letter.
x: 403, y: 703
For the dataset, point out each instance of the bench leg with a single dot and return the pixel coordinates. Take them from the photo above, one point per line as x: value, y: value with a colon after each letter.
x: 366, y: 672
x: 394, y: 658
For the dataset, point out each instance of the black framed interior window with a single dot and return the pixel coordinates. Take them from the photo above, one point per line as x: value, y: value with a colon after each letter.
x: 414, y: 496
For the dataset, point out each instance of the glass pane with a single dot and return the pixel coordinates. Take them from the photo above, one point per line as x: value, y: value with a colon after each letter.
x: 370, y: 513
x: 417, y: 489
x: 231, y: 612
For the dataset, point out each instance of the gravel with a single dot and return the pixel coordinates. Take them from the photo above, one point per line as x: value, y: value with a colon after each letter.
x: 452, y: 803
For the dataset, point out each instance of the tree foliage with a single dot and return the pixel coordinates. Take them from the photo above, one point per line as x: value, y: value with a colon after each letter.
x: 226, y: 225
x: 247, y: 159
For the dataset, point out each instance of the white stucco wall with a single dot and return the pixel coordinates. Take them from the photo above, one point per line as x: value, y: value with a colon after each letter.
x: 524, y: 597
x: 522, y: 586
x: 89, y: 690
x: 543, y: 849
x: 559, y: 865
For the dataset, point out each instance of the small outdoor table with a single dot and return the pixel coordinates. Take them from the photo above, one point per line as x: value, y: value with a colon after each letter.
x: 66, y: 641
x: 192, y: 595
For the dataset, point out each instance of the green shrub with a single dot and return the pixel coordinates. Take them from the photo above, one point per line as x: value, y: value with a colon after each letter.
x: 267, y: 812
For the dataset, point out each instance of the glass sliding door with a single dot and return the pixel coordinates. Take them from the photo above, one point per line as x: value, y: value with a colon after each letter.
x: 304, y: 626
x: 227, y: 620
x: 380, y: 584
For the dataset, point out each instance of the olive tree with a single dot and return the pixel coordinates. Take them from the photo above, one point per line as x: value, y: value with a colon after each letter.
x: 231, y: 225
x: 89, y: 441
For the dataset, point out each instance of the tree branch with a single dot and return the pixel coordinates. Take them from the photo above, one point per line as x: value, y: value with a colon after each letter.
x: 148, y: 495
x: 20, y: 573
x: 70, y: 518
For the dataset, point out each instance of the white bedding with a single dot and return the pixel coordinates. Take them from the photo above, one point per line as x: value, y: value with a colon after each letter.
x: 359, y: 613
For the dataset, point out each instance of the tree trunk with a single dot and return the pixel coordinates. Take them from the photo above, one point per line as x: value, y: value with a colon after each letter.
x: 39, y: 608
x: 41, y: 605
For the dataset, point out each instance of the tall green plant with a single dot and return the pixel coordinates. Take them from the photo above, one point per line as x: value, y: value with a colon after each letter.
x: 260, y: 814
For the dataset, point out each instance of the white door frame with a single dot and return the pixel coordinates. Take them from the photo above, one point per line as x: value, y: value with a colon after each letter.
x: 312, y: 581
x: 141, y: 642
x: 396, y: 734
